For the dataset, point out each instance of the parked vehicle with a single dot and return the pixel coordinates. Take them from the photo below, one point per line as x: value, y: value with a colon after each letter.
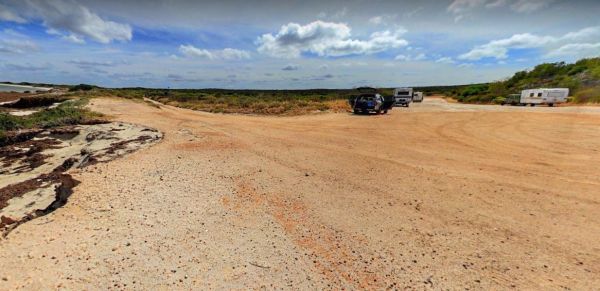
x: 512, y: 99
x: 370, y: 101
x: 418, y: 97
x: 548, y: 96
x: 403, y: 96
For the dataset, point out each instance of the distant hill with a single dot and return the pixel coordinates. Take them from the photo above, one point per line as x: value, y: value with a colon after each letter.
x: 582, y: 78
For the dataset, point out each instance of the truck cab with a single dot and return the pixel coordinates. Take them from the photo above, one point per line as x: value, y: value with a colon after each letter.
x: 403, y: 96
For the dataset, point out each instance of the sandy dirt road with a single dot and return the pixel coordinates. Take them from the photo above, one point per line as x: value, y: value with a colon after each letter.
x: 436, y: 196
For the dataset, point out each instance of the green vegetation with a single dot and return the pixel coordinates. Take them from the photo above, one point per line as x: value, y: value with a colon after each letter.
x: 582, y: 78
x: 81, y: 87
x: 287, y: 102
x: 68, y: 113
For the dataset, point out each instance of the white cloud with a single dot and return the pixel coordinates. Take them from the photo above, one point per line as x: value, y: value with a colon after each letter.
x: 224, y: 54
x: 576, y: 49
x: 192, y: 51
x: 75, y: 21
x: 233, y: 54
x: 499, y: 49
x: 74, y: 38
x: 325, y: 39
x: 445, y: 60
x: 407, y: 58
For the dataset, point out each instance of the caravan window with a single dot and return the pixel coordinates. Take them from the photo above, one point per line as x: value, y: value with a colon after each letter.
x: 531, y: 95
x: 539, y: 94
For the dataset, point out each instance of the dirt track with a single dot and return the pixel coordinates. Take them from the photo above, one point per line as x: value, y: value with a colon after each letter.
x: 441, y: 196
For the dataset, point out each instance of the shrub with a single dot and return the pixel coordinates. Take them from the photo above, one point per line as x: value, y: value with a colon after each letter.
x: 81, y: 87
x: 589, y: 95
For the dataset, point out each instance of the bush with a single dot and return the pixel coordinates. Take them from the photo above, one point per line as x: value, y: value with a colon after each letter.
x: 589, y: 95
x: 68, y: 113
x: 499, y: 100
x: 81, y: 87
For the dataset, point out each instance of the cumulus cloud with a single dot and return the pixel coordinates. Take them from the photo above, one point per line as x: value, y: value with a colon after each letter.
x: 69, y: 19
x: 325, y: 39
x: 192, y: 51
x: 499, y: 49
x: 224, y: 54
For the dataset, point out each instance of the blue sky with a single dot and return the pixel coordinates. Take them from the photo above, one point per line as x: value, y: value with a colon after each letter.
x: 289, y: 44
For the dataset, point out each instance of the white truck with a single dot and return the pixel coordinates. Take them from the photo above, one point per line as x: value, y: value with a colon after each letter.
x: 548, y: 96
x: 403, y: 96
x: 418, y: 97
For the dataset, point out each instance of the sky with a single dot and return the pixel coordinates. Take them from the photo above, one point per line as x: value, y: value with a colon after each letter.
x: 289, y: 44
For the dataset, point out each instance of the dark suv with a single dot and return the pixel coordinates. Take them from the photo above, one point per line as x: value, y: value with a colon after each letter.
x: 370, y: 101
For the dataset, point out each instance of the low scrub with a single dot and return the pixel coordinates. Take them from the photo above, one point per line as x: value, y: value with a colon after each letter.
x: 68, y: 113
x: 267, y: 102
x: 587, y: 95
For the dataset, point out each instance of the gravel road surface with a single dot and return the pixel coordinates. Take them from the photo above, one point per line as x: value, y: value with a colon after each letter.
x: 435, y: 196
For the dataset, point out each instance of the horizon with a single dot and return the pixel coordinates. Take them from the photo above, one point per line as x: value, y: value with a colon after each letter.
x: 262, y: 46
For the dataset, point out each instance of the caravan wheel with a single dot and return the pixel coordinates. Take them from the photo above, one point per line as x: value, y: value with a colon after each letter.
x: 551, y: 104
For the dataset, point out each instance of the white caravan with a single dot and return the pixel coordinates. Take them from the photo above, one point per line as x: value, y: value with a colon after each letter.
x: 547, y: 96
x: 403, y: 96
x: 418, y: 97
